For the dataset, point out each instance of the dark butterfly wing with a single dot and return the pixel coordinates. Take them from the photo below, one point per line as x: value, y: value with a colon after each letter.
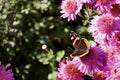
x: 81, y: 47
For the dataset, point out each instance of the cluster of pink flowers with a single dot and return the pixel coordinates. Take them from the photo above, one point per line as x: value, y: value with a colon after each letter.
x: 103, y: 60
x: 6, y: 74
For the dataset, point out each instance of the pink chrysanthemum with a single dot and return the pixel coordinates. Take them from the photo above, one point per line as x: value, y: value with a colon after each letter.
x: 111, y: 52
x: 103, y: 5
x: 117, y: 1
x: 6, y: 75
x: 103, y: 26
x: 69, y: 71
x: 114, y: 44
x: 115, y: 39
x: 113, y: 73
x: 94, y: 61
x: 70, y: 8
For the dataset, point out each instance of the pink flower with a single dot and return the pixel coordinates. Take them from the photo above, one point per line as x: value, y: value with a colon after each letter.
x: 115, y: 39
x: 93, y: 62
x: 114, y: 44
x: 113, y: 73
x: 117, y: 1
x: 103, y: 5
x: 6, y: 75
x: 68, y: 70
x: 103, y: 26
x: 70, y: 8
x: 111, y: 51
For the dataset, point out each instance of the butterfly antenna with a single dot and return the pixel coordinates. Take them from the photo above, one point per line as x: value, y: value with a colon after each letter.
x: 70, y: 48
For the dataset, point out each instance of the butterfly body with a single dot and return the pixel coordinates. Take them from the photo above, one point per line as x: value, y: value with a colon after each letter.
x: 81, y: 45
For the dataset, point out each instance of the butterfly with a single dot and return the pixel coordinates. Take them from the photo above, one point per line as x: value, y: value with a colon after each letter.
x: 81, y: 45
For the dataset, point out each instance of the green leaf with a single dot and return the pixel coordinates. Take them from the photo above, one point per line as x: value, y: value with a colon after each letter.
x: 46, y: 58
x: 60, y: 55
x: 52, y: 76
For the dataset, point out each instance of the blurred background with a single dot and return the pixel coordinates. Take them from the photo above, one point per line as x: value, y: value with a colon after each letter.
x: 34, y: 38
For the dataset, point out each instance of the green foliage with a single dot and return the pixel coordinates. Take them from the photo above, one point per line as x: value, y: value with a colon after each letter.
x: 27, y: 25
